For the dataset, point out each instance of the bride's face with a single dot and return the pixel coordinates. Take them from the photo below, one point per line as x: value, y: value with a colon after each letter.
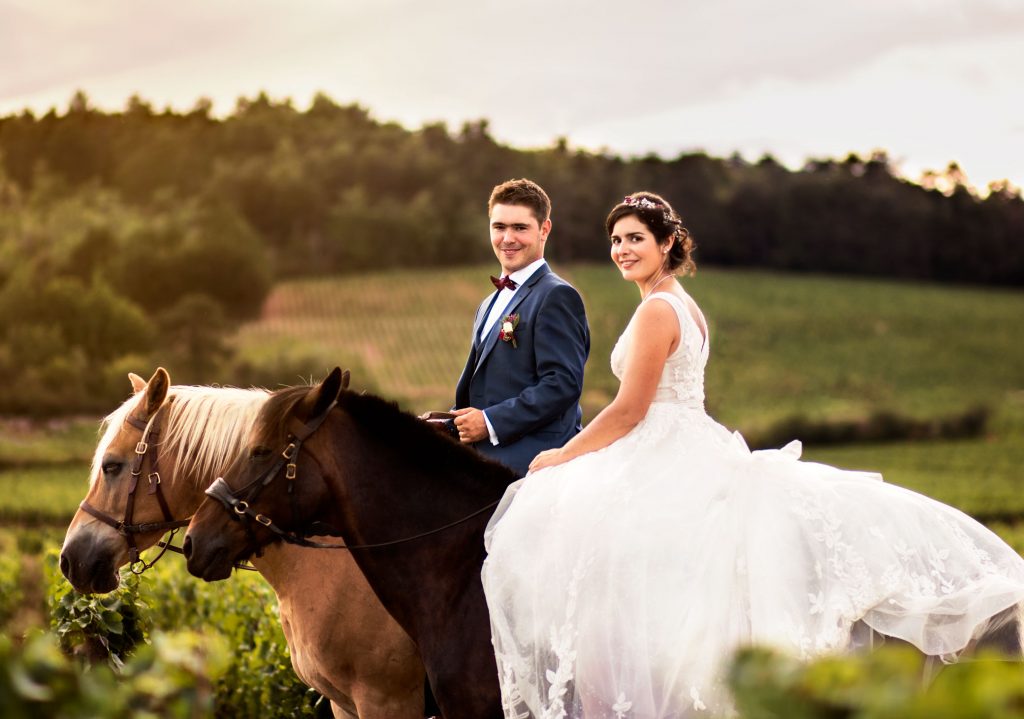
x: 634, y: 250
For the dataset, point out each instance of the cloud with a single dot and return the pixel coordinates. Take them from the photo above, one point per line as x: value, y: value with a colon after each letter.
x: 737, y: 73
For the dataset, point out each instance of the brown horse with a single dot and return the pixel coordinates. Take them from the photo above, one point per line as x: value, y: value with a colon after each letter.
x: 342, y: 641
x: 376, y: 474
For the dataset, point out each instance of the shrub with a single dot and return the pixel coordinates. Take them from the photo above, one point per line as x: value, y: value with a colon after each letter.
x: 99, y: 626
x: 10, y: 579
x: 256, y: 680
x: 170, y: 678
x: 885, y: 684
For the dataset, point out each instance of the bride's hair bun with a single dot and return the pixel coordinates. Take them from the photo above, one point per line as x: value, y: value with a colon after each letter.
x: 664, y: 223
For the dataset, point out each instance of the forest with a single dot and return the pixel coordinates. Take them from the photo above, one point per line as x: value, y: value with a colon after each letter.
x: 121, y: 232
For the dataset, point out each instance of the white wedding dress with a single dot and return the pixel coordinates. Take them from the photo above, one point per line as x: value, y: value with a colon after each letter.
x: 620, y: 583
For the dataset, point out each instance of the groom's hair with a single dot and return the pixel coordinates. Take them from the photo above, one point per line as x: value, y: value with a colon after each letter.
x: 522, y: 192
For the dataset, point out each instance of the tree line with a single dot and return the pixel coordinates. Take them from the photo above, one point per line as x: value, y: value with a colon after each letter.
x: 330, y: 189
x: 119, y: 229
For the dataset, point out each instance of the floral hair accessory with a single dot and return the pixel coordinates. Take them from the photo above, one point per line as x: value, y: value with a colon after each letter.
x: 508, y: 329
x: 641, y: 202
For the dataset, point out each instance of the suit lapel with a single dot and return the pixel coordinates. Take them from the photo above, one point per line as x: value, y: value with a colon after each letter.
x: 521, y: 294
x: 481, y: 317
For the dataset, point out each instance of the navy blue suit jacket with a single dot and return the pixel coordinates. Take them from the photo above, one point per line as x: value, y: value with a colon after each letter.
x: 530, y: 392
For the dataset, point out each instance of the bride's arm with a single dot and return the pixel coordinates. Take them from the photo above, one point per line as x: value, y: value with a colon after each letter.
x: 654, y: 336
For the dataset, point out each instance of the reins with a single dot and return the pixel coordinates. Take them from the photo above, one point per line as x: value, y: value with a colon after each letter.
x: 241, y: 510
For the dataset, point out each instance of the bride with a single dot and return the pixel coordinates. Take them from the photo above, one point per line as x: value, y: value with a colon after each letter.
x: 626, y: 568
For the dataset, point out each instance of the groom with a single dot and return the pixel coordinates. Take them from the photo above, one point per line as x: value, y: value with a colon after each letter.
x: 519, y: 393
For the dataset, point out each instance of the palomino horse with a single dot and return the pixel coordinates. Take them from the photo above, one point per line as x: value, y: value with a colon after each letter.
x: 376, y: 474
x: 342, y: 641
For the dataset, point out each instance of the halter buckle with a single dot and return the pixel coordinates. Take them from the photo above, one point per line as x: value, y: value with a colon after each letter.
x: 154, y: 478
x: 290, y: 471
x: 141, y: 448
x: 289, y: 451
x: 264, y: 520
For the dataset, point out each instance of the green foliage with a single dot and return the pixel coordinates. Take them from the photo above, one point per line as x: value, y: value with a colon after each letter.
x: 89, y: 284
x: 170, y: 678
x: 112, y: 224
x: 255, y: 680
x: 886, y: 684
x: 880, y: 426
x: 42, y: 494
x: 192, y: 248
x: 313, y: 185
x: 194, y: 331
x: 56, y: 334
x: 98, y: 625
x: 10, y: 578
x: 260, y: 680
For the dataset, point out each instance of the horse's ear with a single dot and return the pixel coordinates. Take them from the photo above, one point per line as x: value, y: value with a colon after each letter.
x: 346, y: 376
x: 156, y: 390
x: 319, y: 398
x: 138, y: 384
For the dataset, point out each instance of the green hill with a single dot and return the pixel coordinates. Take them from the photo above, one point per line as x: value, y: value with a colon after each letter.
x: 823, y: 348
x: 780, y: 344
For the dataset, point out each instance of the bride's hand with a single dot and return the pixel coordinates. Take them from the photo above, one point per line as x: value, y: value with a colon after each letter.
x: 549, y: 458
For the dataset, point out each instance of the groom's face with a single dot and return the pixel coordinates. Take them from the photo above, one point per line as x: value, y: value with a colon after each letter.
x: 517, y: 236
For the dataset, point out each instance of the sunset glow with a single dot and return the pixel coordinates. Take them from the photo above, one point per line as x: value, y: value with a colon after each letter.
x: 928, y: 82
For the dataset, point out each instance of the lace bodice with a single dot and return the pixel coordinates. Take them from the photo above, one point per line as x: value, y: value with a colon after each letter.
x: 682, y: 380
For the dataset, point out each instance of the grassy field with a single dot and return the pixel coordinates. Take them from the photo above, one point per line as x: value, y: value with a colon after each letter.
x: 781, y: 344
x: 59, y: 441
x: 45, y: 494
x: 980, y: 476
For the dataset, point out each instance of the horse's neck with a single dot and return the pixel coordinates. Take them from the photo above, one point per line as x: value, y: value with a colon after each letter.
x: 290, y: 571
x: 377, y: 496
x: 378, y: 489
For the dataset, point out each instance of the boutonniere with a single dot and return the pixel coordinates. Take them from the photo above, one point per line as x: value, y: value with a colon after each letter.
x: 508, y: 329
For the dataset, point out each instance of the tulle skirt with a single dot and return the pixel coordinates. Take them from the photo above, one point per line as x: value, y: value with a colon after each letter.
x: 619, y: 584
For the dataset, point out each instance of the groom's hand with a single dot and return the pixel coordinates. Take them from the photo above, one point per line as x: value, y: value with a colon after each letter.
x: 470, y: 424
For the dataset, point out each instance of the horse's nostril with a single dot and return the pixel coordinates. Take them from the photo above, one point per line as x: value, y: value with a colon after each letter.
x: 186, y: 547
x: 65, y: 565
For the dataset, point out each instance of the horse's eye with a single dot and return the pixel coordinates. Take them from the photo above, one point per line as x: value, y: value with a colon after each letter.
x: 258, y: 453
x: 111, y: 468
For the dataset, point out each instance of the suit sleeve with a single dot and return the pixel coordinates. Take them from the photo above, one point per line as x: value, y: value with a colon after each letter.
x: 561, y: 341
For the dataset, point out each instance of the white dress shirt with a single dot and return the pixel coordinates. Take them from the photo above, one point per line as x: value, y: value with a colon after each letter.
x: 505, y: 296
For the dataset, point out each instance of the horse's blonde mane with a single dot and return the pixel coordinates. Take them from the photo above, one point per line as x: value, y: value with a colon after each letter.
x: 205, y: 427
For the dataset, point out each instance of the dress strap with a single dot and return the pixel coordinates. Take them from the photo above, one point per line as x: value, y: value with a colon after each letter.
x: 681, y: 307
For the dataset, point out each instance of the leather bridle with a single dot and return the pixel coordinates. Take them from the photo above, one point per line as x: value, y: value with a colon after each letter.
x: 238, y: 504
x: 146, y: 447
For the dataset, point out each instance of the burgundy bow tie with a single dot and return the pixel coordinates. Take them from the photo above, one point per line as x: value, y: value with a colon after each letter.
x: 504, y: 282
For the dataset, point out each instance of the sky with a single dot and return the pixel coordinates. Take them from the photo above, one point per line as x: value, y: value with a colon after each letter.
x: 929, y: 81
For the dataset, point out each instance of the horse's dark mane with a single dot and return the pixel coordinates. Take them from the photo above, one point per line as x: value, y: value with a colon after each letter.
x: 384, y: 423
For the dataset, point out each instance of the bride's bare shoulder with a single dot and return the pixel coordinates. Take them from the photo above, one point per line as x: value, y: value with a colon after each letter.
x: 689, y: 305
